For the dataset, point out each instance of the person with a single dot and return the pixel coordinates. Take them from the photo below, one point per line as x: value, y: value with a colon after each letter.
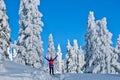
x: 51, y: 64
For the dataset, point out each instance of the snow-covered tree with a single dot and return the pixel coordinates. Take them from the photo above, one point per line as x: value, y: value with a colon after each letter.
x: 63, y: 66
x: 105, y: 48
x: 59, y: 62
x: 51, y: 49
x: 29, y: 44
x: 99, y: 56
x: 92, y: 39
x: 75, y: 56
x: 118, y: 48
x: 4, y: 32
x: 51, y: 52
x: 80, y: 60
x: 116, y: 57
x: 71, y: 57
x: 68, y: 61
x: 78, y: 57
x: 115, y: 65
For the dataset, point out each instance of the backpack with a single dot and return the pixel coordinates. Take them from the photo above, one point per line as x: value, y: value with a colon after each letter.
x: 51, y: 63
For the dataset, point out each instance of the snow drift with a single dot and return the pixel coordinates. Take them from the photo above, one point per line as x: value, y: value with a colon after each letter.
x: 13, y: 71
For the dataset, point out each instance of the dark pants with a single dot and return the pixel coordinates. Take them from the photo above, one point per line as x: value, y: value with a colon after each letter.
x: 51, y: 70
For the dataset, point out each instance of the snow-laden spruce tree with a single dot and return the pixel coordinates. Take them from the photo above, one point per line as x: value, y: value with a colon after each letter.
x: 80, y: 60
x: 51, y: 52
x: 71, y: 58
x: 78, y: 57
x: 68, y: 61
x: 75, y: 56
x: 29, y: 44
x: 91, y: 37
x: 116, y: 57
x: 111, y: 58
x: 100, y: 56
x: 104, y: 48
x: 118, y: 47
x: 4, y: 32
x: 51, y: 49
x: 59, y: 62
x: 115, y: 65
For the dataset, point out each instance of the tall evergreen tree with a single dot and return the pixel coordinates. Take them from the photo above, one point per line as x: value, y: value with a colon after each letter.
x: 92, y: 39
x: 118, y: 48
x: 116, y: 57
x: 4, y: 32
x: 75, y: 56
x: 71, y: 61
x: 51, y: 48
x: 29, y: 44
x: 59, y: 62
x: 51, y: 52
x: 68, y: 61
x: 80, y: 60
x: 105, y: 48
x: 100, y: 57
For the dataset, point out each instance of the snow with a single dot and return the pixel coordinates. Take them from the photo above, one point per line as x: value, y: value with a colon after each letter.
x: 15, y: 71
x: 10, y: 53
x: 100, y: 56
x: 91, y: 77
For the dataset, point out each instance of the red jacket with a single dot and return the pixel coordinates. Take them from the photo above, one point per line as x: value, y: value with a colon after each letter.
x: 51, y: 61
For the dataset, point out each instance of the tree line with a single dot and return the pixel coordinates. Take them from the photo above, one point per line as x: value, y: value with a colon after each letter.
x: 97, y: 56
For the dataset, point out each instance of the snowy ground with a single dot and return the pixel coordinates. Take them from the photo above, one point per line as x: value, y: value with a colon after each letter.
x: 15, y: 71
x: 12, y: 71
x: 91, y: 77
